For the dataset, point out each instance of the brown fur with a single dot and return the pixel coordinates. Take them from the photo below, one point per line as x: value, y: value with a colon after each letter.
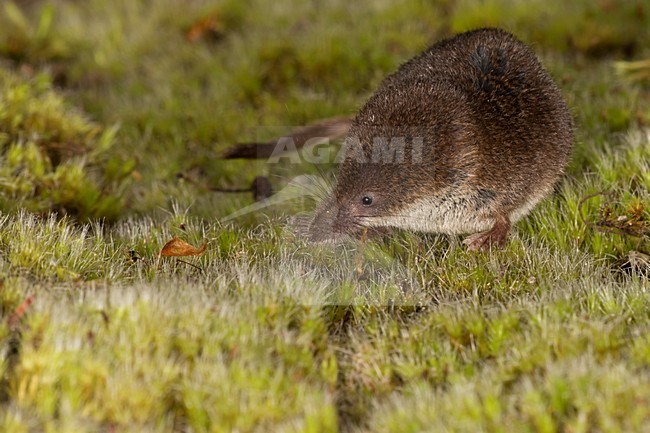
x: 496, y: 136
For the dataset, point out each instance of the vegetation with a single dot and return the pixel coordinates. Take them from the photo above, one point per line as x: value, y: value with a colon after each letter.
x: 103, y: 103
x: 52, y: 156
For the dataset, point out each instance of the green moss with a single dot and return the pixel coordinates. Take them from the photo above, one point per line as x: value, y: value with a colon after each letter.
x: 591, y: 28
x: 52, y: 155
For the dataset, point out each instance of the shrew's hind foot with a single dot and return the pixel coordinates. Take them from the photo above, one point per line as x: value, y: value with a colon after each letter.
x: 496, y: 236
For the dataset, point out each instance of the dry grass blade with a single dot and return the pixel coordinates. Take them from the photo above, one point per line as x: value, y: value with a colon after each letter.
x: 634, y: 71
x: 633, y: 223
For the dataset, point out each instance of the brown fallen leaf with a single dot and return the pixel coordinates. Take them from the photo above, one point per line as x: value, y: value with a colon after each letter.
x: 179, y: 248
x: 207, y: 27
x: 20, y: 310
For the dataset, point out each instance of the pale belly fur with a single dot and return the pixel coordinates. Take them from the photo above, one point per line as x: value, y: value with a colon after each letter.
x: 451, y: 216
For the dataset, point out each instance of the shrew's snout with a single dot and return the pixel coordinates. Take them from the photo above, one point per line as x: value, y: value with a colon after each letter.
x: 348, y: 219
x: 343, y: 222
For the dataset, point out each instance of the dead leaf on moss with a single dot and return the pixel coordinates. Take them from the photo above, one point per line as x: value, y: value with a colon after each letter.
x: 19, y: 312
x: 179, y: 248
x: 207, y: 27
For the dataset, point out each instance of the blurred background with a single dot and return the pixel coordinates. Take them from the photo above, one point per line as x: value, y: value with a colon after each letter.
x: 103, y: 103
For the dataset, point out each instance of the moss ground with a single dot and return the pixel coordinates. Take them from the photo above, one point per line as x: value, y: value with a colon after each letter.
x: 103, y: 103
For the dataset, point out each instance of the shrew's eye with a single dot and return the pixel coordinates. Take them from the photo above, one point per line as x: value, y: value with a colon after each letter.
x: 367, y: 201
